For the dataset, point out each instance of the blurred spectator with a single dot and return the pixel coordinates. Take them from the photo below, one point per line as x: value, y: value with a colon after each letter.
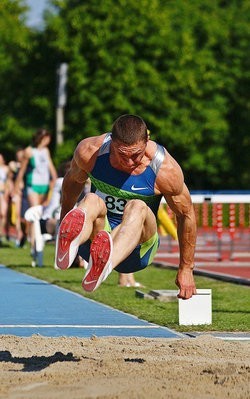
x: 44, y: 219
x: 16, y: 197
x: 128, y: 280
x: 3, y: 197
x: 37, y: 173
x: 37, y: 169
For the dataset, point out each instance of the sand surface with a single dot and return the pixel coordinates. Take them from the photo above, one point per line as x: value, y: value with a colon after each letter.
x: 131, y: 368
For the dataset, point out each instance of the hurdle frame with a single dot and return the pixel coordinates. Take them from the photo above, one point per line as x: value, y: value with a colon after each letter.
x: 238, y: 206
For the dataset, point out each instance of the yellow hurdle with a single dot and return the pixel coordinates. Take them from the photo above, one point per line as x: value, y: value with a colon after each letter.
x: 162, y: 231
x: 166, y: 223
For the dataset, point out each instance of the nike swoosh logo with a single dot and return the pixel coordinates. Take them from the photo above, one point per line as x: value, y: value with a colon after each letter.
x: 61, y: 259
x: 90, y: 282
x: 138, y: 188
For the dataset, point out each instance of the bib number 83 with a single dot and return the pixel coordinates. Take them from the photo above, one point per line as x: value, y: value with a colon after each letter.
x: 115, y: 204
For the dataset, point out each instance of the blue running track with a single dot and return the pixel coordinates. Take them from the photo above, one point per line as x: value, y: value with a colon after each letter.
x: 31, y: 306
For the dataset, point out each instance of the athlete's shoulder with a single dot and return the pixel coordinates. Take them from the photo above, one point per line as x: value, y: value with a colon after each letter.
x: 90, y: 145
x: 170, y: 178
x: 151, y: 149
x: 87, y: 150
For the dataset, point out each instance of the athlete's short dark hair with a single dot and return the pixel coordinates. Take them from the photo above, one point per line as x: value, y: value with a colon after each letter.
x: 129, y: 129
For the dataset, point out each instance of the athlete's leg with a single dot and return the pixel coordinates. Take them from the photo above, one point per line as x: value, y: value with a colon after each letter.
x: 107, y: 251
x: 95, y: 213
x: 138, y: 225
x: 78, y: 226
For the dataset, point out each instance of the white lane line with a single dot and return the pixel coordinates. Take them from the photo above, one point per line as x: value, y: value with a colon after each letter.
x: 74, y: 326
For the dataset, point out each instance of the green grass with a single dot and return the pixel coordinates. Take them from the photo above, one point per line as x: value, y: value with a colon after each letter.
x: 230, y: 302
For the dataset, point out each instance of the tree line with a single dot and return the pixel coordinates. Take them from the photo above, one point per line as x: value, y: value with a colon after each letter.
x: 181, y: 65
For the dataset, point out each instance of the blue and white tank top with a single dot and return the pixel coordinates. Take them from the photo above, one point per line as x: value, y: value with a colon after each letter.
x: 116, y: 188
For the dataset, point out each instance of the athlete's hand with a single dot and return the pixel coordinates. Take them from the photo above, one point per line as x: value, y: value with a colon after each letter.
x: 185, y: 282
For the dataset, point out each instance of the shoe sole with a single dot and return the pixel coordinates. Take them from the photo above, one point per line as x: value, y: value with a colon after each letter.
x: 68, y: 238
x: 99, y: 261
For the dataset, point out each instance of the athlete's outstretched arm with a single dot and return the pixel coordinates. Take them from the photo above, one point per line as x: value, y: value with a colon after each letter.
x: 83, y: 161
x: 73, y: 184
x: 170, y: 183
x: 186, y: 229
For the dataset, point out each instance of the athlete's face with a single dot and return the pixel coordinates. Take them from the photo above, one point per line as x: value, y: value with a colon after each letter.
x: 128, y: 157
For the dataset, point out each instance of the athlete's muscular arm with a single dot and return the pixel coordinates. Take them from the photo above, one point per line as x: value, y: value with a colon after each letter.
x: 82, y: 163
x: 172, y: 186
x: 186, y: 229
x: 74, y: 179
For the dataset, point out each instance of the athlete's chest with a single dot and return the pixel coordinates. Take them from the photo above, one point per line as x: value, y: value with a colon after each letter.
x: 142, y: 183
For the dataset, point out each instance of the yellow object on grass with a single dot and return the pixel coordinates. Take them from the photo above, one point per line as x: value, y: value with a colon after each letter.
x: 13, y: 213
x: 166, y: 223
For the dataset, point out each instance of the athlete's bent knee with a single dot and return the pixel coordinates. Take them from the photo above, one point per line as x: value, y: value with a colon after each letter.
x: 137, y: 206
x: 93, y: 203
x: 92, y: 198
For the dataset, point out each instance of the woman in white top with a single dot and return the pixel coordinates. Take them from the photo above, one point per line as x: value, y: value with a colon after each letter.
x: 37, y: 169
x: 37, y: 172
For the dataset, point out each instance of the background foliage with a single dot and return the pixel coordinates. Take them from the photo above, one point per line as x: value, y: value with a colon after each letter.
x: 183, y: 66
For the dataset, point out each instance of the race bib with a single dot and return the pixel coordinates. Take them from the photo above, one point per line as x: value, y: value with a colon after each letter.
x: 113, y: 204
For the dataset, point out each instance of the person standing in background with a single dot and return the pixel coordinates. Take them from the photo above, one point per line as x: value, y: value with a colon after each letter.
x: 128, y: 280
x: 37, y: 172
x: 3, y: 196
x: 37, y: 169
x: 15, y: 198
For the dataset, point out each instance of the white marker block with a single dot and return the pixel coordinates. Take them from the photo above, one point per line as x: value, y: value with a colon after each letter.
x: 196, y: 310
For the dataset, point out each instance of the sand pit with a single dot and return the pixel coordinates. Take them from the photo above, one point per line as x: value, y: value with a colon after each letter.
x: 202, y: 368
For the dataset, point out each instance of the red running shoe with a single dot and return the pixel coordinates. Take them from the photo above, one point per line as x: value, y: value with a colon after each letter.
x: 99, y: 261
x: 68, y: 238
